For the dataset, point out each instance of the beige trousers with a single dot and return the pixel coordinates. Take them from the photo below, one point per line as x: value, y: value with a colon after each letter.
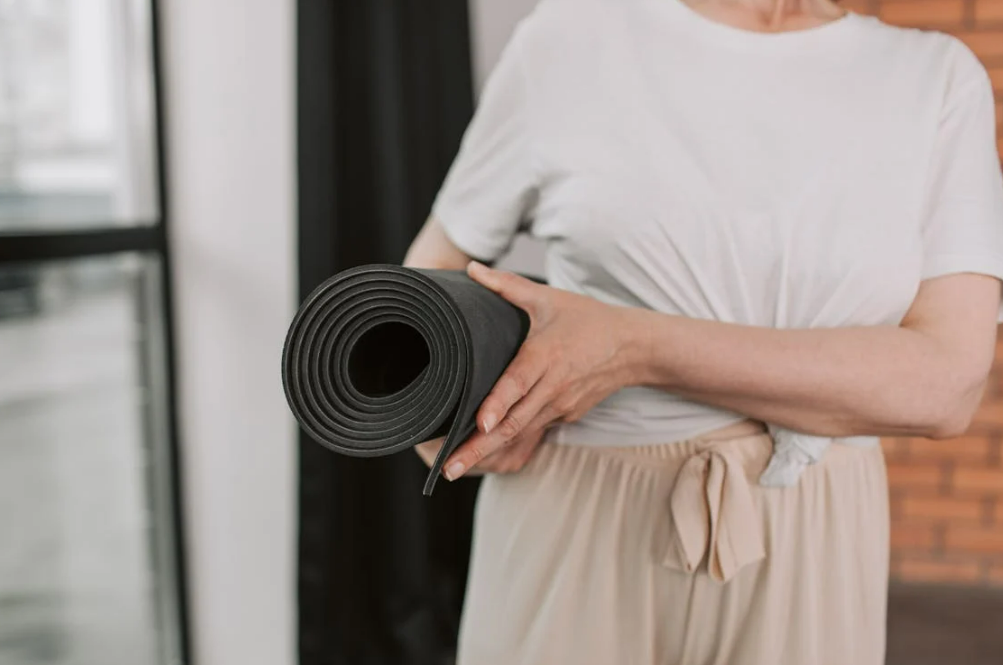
x: 673, y: 555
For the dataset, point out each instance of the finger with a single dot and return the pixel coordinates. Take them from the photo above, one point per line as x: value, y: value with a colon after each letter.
x: 512, y: 457
x: 518, y: 452
x: 518, y: 290
x: 518, y: 379
x: 469, y: 454
x: 428, y: 450
x: 536, y: 405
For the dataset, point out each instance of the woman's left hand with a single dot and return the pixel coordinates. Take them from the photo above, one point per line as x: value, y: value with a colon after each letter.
x: 577, y: 352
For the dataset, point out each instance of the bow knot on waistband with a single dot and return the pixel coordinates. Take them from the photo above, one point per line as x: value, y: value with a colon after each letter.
x: 713, y: 514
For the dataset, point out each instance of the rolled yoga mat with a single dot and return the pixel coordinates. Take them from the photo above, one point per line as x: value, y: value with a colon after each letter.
x: 380, y: 358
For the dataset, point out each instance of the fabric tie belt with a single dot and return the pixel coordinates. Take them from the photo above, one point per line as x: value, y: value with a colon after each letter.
x: 713, y: 514
x: 711, y: 505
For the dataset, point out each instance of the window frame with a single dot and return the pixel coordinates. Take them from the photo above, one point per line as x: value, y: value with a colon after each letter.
x: 150, y: 239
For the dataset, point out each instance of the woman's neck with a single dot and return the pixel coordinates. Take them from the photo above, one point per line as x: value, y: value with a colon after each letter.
x: 769, y: 15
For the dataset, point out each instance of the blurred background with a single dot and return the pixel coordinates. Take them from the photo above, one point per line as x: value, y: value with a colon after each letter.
x: 175, y: 175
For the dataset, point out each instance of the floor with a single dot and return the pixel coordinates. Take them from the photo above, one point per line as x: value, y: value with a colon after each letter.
x: 944, y: 626
x: 76, y: 586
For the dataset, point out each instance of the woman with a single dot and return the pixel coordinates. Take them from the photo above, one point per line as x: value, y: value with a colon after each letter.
x: 767, y: 222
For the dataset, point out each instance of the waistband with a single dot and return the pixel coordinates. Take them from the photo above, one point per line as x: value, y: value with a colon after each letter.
x: 747, y: 427
x: 793, y: 451
x: 711, y: 506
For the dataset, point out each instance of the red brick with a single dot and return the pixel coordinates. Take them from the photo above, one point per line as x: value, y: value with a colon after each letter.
x: 995, y: 460
x: 994, y: 385
x: 990, y: 413
x: 895, y: 448
x: 933, y: 570
x: 973, y: 539
x: 915, y: 476
x: 941, y: 508
x: 986, y: 45
x: 990, y: 11
x: 996, y: 75
x: 970, y: 449
x: 910, y: 536
x: 923, y: 12
x: 984, y: 481
x: 859, y: 6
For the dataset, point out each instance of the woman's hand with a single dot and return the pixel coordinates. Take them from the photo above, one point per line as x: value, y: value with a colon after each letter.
x: 577, y: 352
x: 429, y: 450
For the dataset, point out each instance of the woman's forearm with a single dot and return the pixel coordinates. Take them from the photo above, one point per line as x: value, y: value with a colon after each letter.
x: 877, y: 380
x: 432, y: 248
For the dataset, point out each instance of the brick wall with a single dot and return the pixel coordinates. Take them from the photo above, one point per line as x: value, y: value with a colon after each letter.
x: 947, y: 496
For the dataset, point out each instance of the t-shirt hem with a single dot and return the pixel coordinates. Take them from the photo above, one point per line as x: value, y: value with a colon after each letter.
x: 946, y: 264
x: 949, y: 264
x: 574, y: 434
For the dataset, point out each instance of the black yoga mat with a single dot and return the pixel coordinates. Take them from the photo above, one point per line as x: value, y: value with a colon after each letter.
x: 380, y: 358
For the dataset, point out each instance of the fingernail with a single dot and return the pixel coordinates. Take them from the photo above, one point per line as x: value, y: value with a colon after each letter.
x: 454, y: 470
x: 488, y: 423
x: 478, y: 266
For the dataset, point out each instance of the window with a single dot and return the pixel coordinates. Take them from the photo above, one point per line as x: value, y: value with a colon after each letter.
x: 90, y: 568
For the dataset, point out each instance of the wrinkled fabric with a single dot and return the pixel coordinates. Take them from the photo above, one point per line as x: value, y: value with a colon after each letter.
x: 794, y: 451
x: 656, y: 183
x: 673, y: 554
x: 713, y: 516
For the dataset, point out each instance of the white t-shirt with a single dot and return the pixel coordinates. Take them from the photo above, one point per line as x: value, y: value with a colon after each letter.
x: 802, y: 179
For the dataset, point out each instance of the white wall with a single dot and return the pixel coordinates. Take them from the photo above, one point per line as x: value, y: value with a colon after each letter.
x: 229, y: 68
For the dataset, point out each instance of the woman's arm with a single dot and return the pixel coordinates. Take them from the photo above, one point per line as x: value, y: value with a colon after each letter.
x: 433, y: 249
x: 924, y: 378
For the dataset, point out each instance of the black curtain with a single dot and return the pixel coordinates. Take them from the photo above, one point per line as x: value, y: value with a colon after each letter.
x: 384, y: 94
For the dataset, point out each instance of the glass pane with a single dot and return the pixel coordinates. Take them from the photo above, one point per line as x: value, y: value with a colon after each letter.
x: 86, y: 556
x: 76, y: 114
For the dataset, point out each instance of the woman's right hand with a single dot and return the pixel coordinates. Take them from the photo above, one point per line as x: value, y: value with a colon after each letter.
x: 429, y: 450
x: 510, y: 459
x: 432, y: 248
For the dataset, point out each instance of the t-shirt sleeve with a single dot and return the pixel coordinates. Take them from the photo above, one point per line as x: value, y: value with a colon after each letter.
x: 490, y: 189
x: 963, y: 229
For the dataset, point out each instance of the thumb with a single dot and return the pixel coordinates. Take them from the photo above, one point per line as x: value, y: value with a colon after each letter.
x: 516, y: 289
